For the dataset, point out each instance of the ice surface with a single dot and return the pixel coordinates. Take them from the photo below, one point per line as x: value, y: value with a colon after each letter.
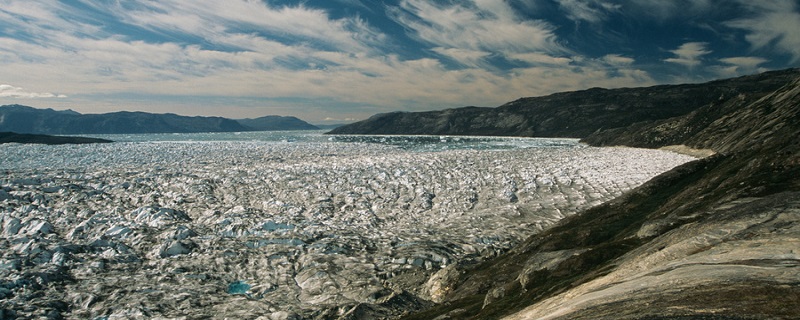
x: 238, y: 287
x: 167, y: 228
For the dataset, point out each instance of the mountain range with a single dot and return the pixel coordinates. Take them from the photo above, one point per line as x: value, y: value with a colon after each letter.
x: 576, y: 114
x: 24, y: 119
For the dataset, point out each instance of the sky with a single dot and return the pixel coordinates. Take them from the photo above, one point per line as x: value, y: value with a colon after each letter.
x: 329, y: 61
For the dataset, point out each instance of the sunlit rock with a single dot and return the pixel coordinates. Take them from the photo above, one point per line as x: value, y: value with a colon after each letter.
x: 441, y: 283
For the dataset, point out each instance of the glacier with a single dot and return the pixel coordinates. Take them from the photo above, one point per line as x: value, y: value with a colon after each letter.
x: 286, y: 228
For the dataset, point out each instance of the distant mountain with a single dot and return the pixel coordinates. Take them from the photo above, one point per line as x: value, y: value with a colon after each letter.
x: 276, y: 123
x: 575, y: 114
x: 329, y: 126
x: 24, y: 119
x: 10, y: 137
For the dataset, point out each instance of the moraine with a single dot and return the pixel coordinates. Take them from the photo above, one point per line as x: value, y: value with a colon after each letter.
x: 280, y: 225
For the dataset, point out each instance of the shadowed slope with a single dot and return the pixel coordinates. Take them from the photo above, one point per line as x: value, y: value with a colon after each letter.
x: 712, y: 239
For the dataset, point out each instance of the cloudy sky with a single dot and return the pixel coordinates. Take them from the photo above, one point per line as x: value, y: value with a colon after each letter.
x: 336, y: 60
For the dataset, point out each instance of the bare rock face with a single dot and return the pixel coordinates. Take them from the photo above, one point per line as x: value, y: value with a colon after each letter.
x: 441, y: 283
x: 493, y: 295
x: 544, y: 261
x: 699, y: 269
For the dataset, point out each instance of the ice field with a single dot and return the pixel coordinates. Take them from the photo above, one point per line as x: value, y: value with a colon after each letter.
x: 278, y: 225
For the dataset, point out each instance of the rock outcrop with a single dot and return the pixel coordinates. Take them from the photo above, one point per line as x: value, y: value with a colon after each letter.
x: 716, y: 238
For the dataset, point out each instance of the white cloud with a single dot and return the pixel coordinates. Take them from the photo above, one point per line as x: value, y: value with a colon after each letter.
x: 464, y: 56
x: 689, y: 54
x: 538, y: 59
x: 615, y: 59
x: 9, y: 91
x: 89, y: 60
x: 478, y: 25
x: 593, y: 11
x: 213, y: 20
x: 774, y: 23
x: 736, y: 66
x: 354, y: 3
x: 745, y: 62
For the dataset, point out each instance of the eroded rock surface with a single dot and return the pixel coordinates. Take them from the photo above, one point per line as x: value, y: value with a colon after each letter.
x: 699, y: 269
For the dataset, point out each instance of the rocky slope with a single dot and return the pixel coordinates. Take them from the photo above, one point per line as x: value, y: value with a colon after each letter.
x: 716, y: 238
x: 23, y: 119
x: 576, y: 114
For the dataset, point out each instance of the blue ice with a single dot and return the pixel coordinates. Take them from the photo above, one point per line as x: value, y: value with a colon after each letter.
x: 238, y: 287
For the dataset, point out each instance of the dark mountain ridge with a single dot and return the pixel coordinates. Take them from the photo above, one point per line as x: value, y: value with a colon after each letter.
x: 575, y: 114
x: 23, y: 119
